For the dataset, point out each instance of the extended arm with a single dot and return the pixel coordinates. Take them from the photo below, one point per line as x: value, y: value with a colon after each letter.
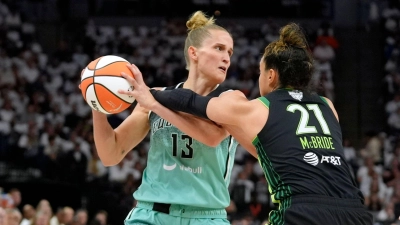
x: 183, y: 100
x: 226, y: 109
x: 240, y: 117
x: 202, y: 130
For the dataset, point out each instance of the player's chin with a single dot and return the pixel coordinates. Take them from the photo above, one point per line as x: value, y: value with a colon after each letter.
x: 221, y: 76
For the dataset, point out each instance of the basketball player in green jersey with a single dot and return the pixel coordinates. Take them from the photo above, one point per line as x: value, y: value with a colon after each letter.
x: 294, y: 133
x: 185, y: 181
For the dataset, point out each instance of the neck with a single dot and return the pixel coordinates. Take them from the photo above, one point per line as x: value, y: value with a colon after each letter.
x: 286, y: 88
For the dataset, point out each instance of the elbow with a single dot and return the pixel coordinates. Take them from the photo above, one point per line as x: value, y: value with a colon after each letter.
x: 109, y: 163
x: 109, y: 160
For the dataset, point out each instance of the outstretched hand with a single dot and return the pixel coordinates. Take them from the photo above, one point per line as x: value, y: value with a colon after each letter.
x: 140, y: 91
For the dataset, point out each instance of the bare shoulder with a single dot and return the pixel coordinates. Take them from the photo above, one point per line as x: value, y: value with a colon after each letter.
x: 258, y: 107
x: 330, y: 103
x: 232, y: 93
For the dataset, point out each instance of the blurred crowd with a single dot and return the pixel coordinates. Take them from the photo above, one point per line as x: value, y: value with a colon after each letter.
x: 12, y: 213
x: 45, y: 124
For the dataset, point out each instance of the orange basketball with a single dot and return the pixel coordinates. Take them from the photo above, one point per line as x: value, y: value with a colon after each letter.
x: 100, y: 82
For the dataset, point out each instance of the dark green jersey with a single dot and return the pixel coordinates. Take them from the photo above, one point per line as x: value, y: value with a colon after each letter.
x: 300, y: 148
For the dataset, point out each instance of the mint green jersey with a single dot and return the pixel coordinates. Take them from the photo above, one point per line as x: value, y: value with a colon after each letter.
x: 181, y: 170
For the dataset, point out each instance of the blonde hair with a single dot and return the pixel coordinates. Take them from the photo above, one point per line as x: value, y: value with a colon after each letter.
x: 199, y: 26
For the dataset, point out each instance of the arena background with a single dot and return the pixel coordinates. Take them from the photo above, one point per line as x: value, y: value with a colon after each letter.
x: 358, y: 79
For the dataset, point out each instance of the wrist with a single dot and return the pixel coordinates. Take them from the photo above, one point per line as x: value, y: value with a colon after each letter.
x: 155, y: 106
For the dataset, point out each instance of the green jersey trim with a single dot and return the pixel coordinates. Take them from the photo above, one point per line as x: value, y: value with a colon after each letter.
x: 276, y: 217
x: 264, y: 101
x: 324, y: 100
x: 276, y: 186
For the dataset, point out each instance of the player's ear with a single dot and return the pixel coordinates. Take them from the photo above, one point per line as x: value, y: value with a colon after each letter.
x: 192, y: 52
x: 273, y: 76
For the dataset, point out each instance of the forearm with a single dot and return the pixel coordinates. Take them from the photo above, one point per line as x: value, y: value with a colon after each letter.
x: 202, y: 130
x: 183, y: 100
x: 104, y: 139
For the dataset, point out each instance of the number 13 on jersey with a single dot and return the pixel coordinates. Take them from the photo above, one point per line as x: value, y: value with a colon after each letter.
x: 187, y: 151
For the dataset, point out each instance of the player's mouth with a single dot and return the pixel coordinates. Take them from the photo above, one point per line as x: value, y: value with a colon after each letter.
x: 223, y: 68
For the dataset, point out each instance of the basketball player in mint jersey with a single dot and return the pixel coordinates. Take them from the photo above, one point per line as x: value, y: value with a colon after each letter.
x: 195, y: 175
x: 190, y: 159
x: 294, y: 133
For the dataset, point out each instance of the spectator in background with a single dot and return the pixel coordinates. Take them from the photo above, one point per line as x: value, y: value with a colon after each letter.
x: 323, y: 52
x: 325, y: 33
x: 393, y: 105
x: 394, y: 122
x: 51, y: 153
x: 57, y: 217
x: 101, y: 217
x: 374, y: 191
x: 386, y: 214
x: 372, y: 147
x: 11, y: 199
x: 367, y: 169
x: 96, y: 170
x: 67, y: 215
x: 41, y: 218
x: 44, y: 207
x: 28, y: 212
x: 350, y: 155
x: 392, y: 63
x: 326, y: 87
x: 242, y: 191
x: 3, y: 216
x: 75, y: 164
x: 14, y: 216
x: 119, y: 173
x: 81, y: 217
x: 392, y: 175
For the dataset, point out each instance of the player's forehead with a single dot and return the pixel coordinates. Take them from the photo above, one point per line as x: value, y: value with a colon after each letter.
x: 219, y: 37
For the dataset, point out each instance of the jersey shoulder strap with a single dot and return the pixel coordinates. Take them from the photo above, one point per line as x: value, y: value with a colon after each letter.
x: 218, y: 91
x: 264, y: 101
x: 173, y: 87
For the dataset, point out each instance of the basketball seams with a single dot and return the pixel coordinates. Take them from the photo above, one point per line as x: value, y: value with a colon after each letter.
x: 97, y: 97
x: 106, y: 65
x: 86, y: 90
x: 100, y: 84
x: 99, y: 107
x: 100, y: 76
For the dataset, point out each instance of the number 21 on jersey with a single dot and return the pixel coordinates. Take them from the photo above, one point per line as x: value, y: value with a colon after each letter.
x: 314, y: 141
x: 303, y: 127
